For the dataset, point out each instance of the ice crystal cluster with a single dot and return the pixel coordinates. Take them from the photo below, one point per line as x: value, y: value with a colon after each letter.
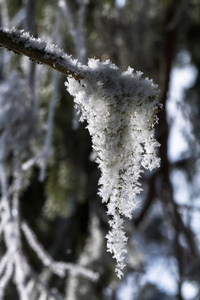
x: 120, y: 113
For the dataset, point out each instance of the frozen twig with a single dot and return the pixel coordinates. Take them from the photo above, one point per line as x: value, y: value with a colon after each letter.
x: 40, y: 51
x: 50, y: 293
x: 58, y: 268
x: 3, y: 263
x: 4, y: 279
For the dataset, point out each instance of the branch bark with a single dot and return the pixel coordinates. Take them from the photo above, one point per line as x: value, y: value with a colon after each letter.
x: 40, y: 51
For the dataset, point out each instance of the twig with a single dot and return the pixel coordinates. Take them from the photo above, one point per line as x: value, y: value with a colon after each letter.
x: 40, y: 51
x: 51, y: 293
x: 58, y: 268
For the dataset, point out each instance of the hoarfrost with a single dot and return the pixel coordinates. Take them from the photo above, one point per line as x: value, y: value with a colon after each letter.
x: 50, y: 51
x: 120, y: 113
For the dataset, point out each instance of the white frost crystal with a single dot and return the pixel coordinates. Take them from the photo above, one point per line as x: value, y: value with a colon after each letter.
x: 120, y: 112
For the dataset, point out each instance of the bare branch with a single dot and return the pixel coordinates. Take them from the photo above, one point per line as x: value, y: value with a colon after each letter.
x: 40, y: 51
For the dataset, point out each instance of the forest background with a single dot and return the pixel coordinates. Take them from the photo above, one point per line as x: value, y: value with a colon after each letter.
x: 59, y: 200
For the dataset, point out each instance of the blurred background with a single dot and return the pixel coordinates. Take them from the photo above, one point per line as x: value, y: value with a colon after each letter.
x: 59, y: 200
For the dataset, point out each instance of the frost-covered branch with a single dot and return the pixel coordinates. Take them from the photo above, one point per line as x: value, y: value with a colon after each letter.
x: 40, y: 51
x: 91, y: 254
x: 120, y: 109
x: 45, y: 291
x: 58, y: 268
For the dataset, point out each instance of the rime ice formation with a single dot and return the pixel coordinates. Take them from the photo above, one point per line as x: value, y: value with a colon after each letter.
x: 120, y: 112
x: 50, y: 53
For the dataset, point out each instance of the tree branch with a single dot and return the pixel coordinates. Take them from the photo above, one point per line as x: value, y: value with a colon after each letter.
x: 40, y: 51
